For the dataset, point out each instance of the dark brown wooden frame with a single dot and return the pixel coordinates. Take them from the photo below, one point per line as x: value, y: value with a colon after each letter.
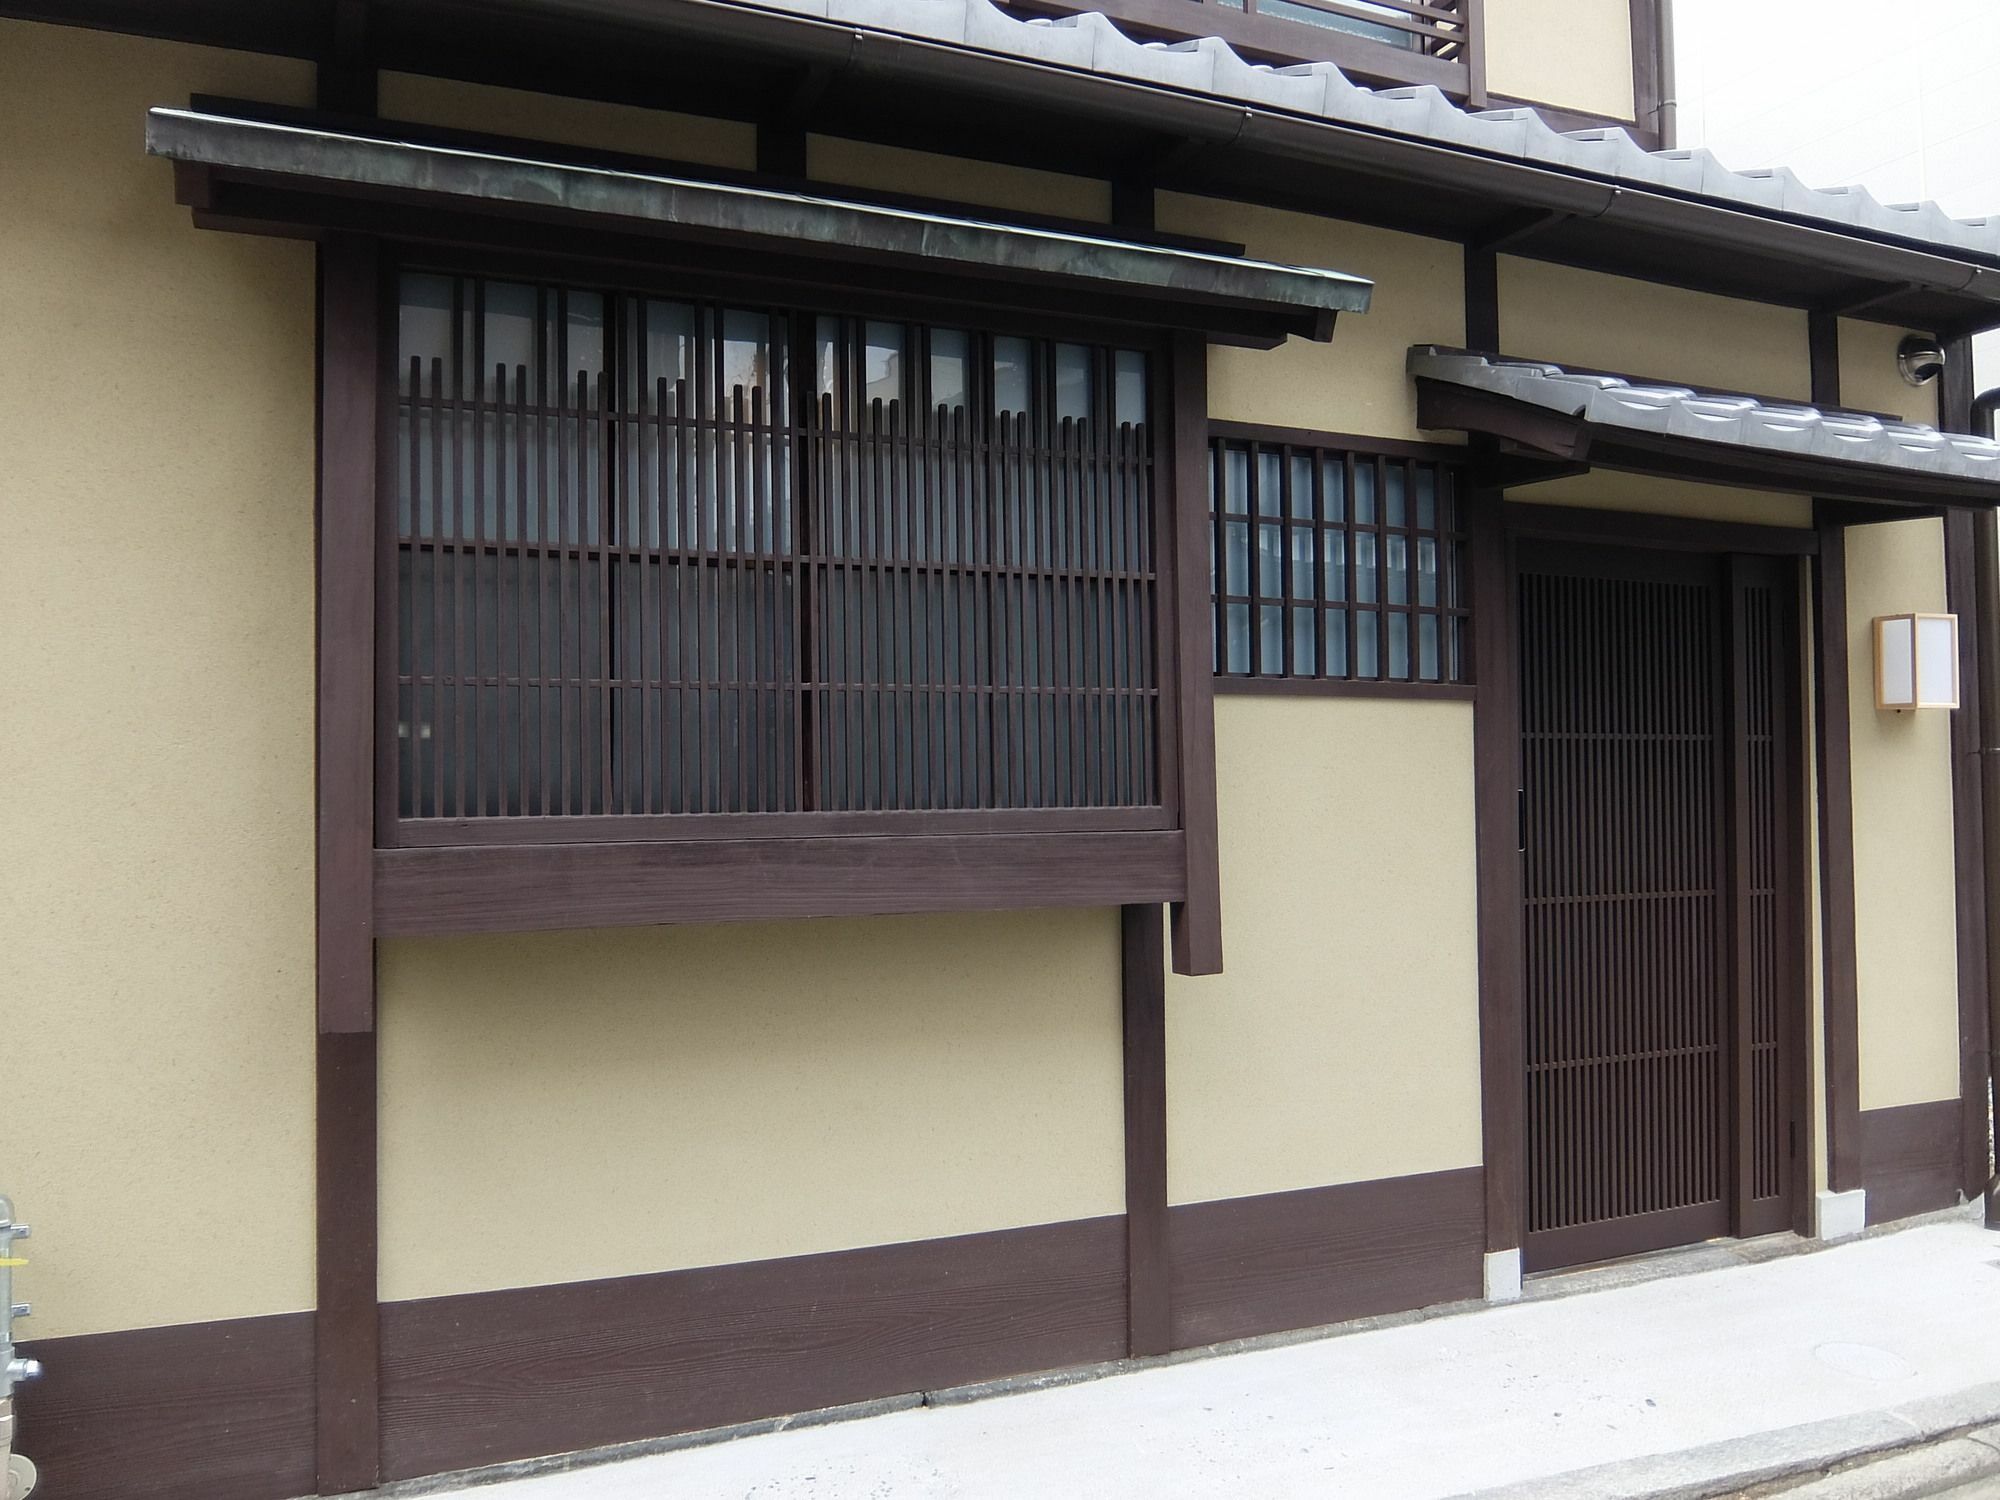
x: 1448, y: 534
x: 752, y: 866
x: 1495, y: 527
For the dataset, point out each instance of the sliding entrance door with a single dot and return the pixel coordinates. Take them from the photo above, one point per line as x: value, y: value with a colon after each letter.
x: 1659, y: 829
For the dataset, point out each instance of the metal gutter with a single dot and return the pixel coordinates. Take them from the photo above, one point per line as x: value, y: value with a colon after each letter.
x: 1307, y: 298
x: 1986, y: 653
x: 1203, y: 92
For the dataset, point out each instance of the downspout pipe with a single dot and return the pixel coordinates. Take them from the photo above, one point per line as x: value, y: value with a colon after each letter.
x: 1986, y: 597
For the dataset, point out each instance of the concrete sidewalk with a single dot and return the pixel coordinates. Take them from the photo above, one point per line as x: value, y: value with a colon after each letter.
x: 1683, y: 1385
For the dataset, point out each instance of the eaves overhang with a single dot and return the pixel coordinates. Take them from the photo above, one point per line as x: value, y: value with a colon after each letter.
x: 1572, y: 418
x: 1308, y: 135
x: 316, y: 178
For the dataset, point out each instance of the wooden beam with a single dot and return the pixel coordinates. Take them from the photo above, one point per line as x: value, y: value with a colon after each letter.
x: 345, y: 1322
x: 1674, y: 533
x: 1148, y: 1300
x: 550, y: 886
x: 1197, y: 919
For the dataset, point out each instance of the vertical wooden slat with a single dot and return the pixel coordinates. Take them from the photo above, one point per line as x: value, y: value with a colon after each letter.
x: 1148, y: 1297
x: 345, y: 1321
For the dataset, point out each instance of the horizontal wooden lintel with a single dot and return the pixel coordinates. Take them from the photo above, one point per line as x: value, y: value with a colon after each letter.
x: 540, y: 887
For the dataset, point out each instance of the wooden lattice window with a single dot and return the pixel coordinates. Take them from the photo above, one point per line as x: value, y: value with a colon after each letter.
x: 1336, y: 563
x: 666, y: 558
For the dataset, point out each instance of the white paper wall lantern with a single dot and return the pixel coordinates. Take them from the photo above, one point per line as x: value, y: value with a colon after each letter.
x: 1916, y: 661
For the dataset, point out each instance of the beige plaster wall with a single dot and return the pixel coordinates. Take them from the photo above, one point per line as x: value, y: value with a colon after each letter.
x: 1342, y: 1042
x: 894, y: 169
x: 1575, y: 53
x: 1870, y: 380
x: 571, y: 122
x: 1904, y: 924
x: 656, y: 1099
x: 1356, y: 383
x: 1604, y: 490
x: 1605, y: 322
x: 156, y: 910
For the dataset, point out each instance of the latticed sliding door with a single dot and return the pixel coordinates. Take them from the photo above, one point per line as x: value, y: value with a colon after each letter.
x: 1659, y: 878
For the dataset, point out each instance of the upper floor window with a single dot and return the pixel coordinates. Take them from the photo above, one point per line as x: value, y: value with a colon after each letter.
x: 663, y: 556
x: 1336, y: 563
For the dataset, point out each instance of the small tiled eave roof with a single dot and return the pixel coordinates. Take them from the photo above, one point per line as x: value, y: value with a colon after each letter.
x: 1614, y: 421
x: 1610, y: 200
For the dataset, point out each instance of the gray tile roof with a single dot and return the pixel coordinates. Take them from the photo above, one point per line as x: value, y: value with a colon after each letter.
x: 1091, y: 44
x: 1743, y: 422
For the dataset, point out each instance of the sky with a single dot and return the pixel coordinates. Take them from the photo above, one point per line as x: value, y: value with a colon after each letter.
x: 1900, y: 96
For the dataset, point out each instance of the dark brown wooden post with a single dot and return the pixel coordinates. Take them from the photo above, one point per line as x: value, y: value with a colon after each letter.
x: 1197, y: 920
x: 1497, y: 824
x: 346, y: 1321
x: 1839, y: 978
x: 1955, y: 398
x: 1148, y: 1300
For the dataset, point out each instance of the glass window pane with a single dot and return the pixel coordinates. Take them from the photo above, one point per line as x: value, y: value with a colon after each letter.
x: 1364, y: 643
x: 1237, y: 646
x: 1427, y: 571
x: 1236, y: 557
x: 1302, y: 487
x: 1271, y: 561
x: 1336, y: 566
x: 1333, y: 489
x: 1271, y: 639
x: 1336, y: 642
x: 1010, y: 376
x: 1270, y: 482
x: 1304, y: 586
x: 1397, y: 482
x: 509, y: 327
x: 1364, y: 492
x: 1427, y: 647
x: 1397, y: 556
x: 1128, y: 387
x: 1365, y: 577
x: 1072, y: 383
x: 423, y: 328
x: 1305, y: 656
x: 951, y: 368
x: 882, y: 364
x: 1236, y: 481
x: 1427, y: 497
x: 1399, y: 647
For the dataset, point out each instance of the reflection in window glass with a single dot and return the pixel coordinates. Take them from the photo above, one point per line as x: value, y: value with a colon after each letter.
x: 1010, y: 376
x: 1072, y: 383
x: 951, y: 369
x: 882, y: 363
x: 1128, y: 387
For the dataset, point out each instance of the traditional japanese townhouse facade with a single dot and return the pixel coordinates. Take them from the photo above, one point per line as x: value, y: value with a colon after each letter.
x: 726, y: 706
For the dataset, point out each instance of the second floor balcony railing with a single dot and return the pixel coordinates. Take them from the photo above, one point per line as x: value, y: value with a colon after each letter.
x: 1388, y: 42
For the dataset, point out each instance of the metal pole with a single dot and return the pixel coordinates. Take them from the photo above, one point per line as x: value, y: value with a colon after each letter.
x: 17, y: 1475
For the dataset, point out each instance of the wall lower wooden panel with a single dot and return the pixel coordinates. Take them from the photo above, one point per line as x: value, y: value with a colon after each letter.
x: 502, y: 1375
x: 224, y: 1411
x: 1910, y: 1159
x: 1248, y: 1266
x: 200, y: 1411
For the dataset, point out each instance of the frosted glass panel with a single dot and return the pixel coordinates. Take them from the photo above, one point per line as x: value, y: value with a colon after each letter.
x: 1937, y: 660
x: 1898, y: 688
